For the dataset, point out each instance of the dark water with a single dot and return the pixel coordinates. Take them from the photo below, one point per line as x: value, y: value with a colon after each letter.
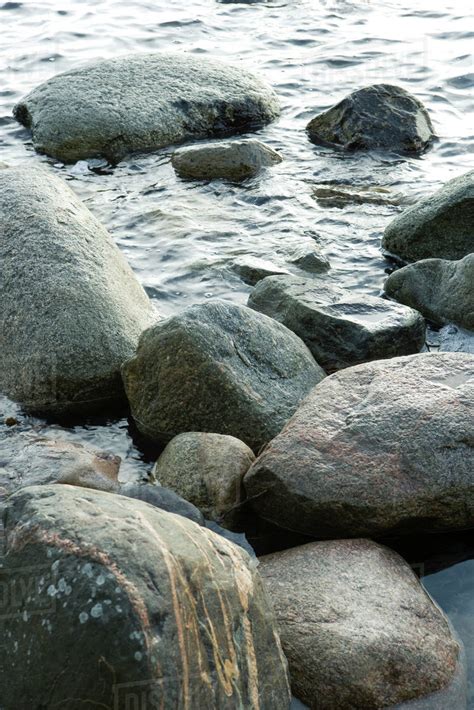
x: 181, y: 238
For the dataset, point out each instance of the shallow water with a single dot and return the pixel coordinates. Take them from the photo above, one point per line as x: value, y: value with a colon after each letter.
x: 182, y: 238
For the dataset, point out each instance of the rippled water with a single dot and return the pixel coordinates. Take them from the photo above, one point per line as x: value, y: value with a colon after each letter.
x: 182, y: 238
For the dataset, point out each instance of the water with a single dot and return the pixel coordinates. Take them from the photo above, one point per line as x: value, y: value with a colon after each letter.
x: 182, y: 238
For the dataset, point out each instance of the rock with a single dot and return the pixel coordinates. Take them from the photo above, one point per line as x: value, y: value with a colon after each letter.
x: 358, y: 629
x: 163, y: 498
x: 309, y: 260
x: 340, y: 329
x: 234, y: 160
x: 142, y: 102
x: 440, y: 226
x: 122, y: 605
x: 252, y: 270
x: 237, y: 538
x: 341, y: 195
x: 456, y: 340
x: 72, y: 309
x: 440, y: 289
x: 220, y: 368
x: 207, y: 470
x: 381, y: 117
x: 381, y: 448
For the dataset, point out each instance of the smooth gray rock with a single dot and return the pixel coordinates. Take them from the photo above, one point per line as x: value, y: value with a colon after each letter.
x: 163, y: 498
x: 358, y: 629
x: 119, y: 604
x: 456, y: 340
x: 142, y: 102
x: 340, y: 329
x: 439, y: 226
x: 233, y: 160
x: 381, y: 448
x: 440, y: 289
x: 381, y: 117
x: 72, y: 309
x: 221, y: 368
x: 309, y: 260
x: 252, y: 270
x: 207, y: 470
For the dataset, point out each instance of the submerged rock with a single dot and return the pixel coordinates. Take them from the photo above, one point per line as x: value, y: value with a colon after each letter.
x: 252, y: 270
x: 440, y: 289
x: 72, y: 309
x: 145, y: 607
x: 217, y: 367
x: 358, y: 629
x: 142, y: 102
x: 440, y: 226
x: 340, y: 329
x: 381, y: 448
x: 341, y: 195
x: 234, y: 160
x: 163, y: 498
x: 207, y: 470
x: 376, y: 117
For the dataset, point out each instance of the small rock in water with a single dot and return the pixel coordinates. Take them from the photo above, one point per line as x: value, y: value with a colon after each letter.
x: 359, y: 631
x: 11, y: 421
x: 340, y: 329
x: 339, y: 195
x: 381, y: 117
x: 234, y: 160
x: 207, y: 470
x: 440, y: 289
x: 439, y: 226
x: 310, y: 260
x: 221, y: 368
x: 252, y: 270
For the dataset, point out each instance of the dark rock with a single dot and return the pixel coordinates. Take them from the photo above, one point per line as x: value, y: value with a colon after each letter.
x: 376, y: 117
x: 233, y: 160
x: 341, y: 195
x: 252, y: 270
x: 381, y: 448
x: 163, y: 498
x: 220, y: 368
x: 340, y: 329
x: 309, y: 260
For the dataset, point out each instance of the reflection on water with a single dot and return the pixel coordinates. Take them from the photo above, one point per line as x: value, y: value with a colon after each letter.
x: 182, y: 238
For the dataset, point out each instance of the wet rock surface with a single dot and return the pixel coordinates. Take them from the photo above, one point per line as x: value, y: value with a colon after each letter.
x: 340, y: 329
x: 163, y: 498
x: 381, y: 116
x: 72, y: 309
x: 358, y: 629
x: 158, y: 99
x: 252, y: 270
x: 442, y: 290
x: 439, y: 226
x: 381, y: 448
x: 219, y: 368
x: 132, y: 602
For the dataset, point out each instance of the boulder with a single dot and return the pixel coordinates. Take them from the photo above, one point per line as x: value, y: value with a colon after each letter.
x: 252, y: 270
x: 218, y: 367
x: 115, y: 603
x: 309, y: 260
x: 439, y: 226
x: 142, y: 102
x: 233, y: 160
x: 340, y: 329
x: 440, y: 289
x: 72, y: 309
x: 207, y: 470
x: 358, y: 629
x: 380, y: 117
x: 381, y: 448
x: 163, y: 498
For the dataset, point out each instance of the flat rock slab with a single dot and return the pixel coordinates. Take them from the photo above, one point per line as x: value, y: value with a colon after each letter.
x: 442, y: 290
x: 220, y: 368
x: 142, y: 102
x: 136, y: 607
x: 358, y: 629
x: 252, y: 270
x: 340, y: 329
x: 439, y: 226
x: 381, y: 448
x: 381, y: 117
x: 234, y: 160
x: 72, y: 309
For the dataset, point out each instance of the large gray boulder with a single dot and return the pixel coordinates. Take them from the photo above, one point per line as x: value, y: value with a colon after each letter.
x: 440, y: 226
x: 359, y: 631
x: 340, y: 329
x: 381, y: 117
x: 115, y: 603
x: 217, y: 367
x: 142, y: 102
x: 72, y: 309
x: 207, y: 470
x: 381, y: 448
x: 233, y: 160
x: 440, y: 289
